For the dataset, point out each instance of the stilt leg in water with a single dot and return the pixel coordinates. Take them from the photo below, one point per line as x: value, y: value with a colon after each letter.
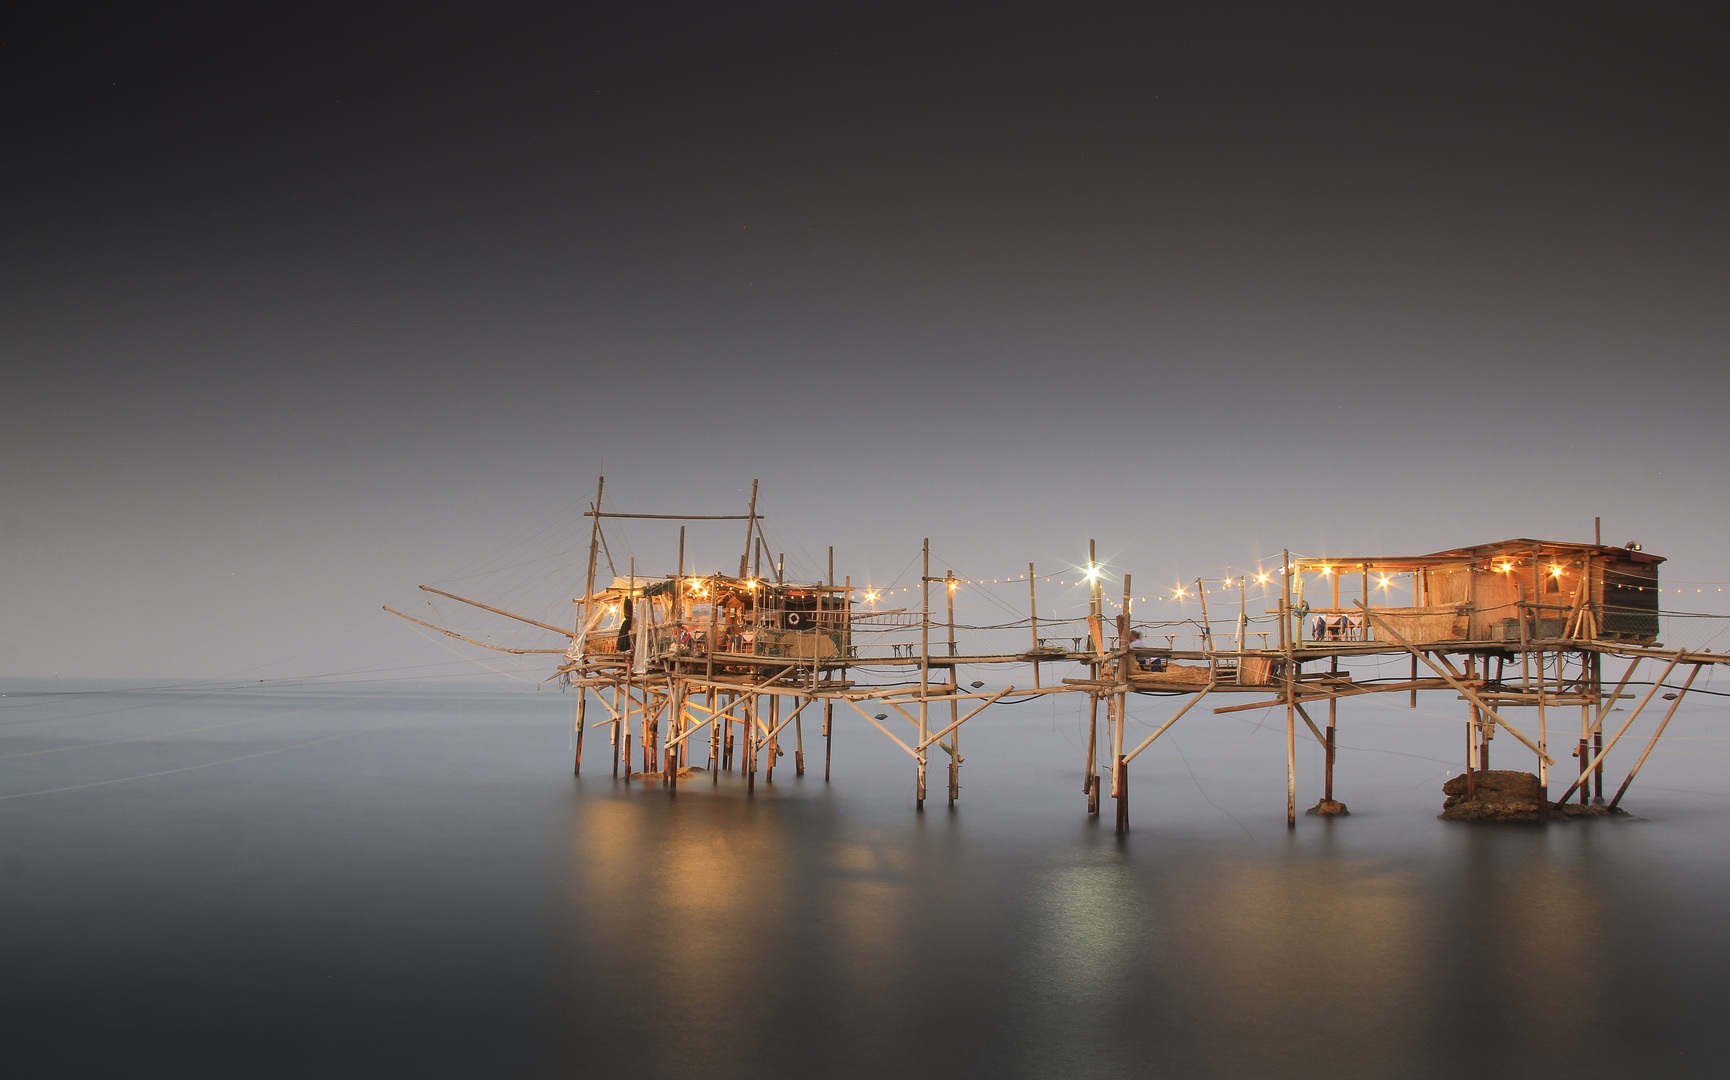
x: 1122, y: 796
x: 577, y: 765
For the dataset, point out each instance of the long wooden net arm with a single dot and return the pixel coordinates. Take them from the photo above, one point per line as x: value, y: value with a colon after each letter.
x: 498, y: 611
x: 471, y: 641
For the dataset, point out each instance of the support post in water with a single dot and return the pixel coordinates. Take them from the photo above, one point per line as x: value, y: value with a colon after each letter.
x: 1125, y: 660
x: 581, y: 643
x: 750, y: 763
x: 1333, y: 717
x: 924, y: 672
x: 1290, y: 700
x: 954, y: 747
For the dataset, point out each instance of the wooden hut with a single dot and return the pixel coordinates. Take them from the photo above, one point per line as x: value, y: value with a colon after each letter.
x: 736, y: 620
x: 1511, y: 591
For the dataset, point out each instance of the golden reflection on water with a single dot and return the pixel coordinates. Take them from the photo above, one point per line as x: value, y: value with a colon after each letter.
x: 708, y: 916
x: 715, y: 915
x: 1274, y: 943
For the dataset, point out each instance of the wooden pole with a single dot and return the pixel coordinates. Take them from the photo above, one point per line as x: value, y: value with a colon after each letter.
x: 631, y: 658
x: 829, y: 706
x: 1033, y: 609
x: 1091, y: 784
x: 1366, y: 590
x: 714, y: 700
x: 1584, y: 751
x: 1206, y: 625
x: 750, y: 529
x: 1242, y: 617
x: 1333, y: 718
x: 1096, y: 635
x: 1543, y: 744
x: 774, y: 747
x: 1474, y: 723
x: 1598, y: 726
x: 1124, y: 661
x: 675, y: 728
x: 954, y: 688
x: 1090, y: 780
x: 730, y: 745
x: 750, y: 763
x: 798, y: 745
x: 714, y: 593
x: 924, y: 669
x: 1290, y: 701
x: 582, y: 645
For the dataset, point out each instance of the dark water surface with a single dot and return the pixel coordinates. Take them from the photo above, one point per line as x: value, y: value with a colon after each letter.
x: 341, y: 881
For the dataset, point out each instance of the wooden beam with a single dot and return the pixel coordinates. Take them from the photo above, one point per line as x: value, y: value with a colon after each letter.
x: 881, y: 728
x: 472, y: 641
x: 1320, y: 738
x: 1147, y: 742
x: 676, y: 517
x: 498, y: 611
x: 931, y: 739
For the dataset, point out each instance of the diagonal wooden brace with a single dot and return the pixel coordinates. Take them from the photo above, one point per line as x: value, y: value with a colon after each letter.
x: 1449, y: 675
x: 963, y: 720
x: 1657, y: 685
x: 1147, y: 742
x: 881, y: 728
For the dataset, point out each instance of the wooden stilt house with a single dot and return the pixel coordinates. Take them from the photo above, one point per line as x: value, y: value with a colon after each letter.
x: 1511, y: 591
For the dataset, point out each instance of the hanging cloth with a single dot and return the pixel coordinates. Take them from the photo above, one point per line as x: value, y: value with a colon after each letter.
x: 591, y: 615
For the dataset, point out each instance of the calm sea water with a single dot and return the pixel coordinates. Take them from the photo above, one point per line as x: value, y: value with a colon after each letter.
x: 394, y: 881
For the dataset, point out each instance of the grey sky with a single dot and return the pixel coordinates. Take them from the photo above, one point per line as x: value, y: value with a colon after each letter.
x: 303, y: 310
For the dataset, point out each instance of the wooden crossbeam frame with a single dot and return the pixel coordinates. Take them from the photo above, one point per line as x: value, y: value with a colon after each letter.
x: 1453, y: 678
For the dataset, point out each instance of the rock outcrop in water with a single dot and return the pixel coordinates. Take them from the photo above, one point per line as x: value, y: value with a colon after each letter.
x: 1500, y: 796
x: 1510, y: 796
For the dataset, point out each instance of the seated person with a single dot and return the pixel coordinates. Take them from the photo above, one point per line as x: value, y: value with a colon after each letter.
x: 1145, y: 663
